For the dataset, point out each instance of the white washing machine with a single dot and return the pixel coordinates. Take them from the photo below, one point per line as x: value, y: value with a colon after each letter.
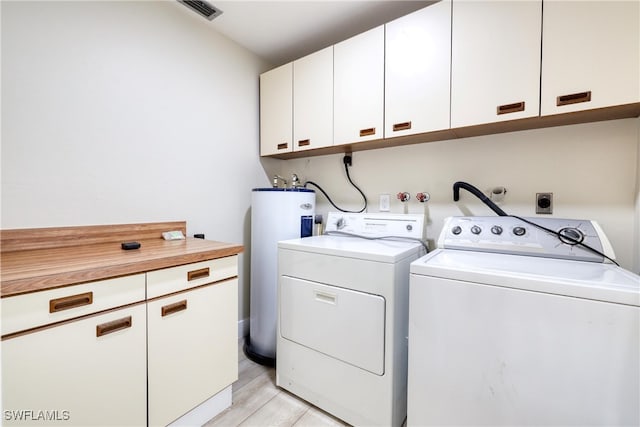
x: 510, y: 325
x: 343, y: 313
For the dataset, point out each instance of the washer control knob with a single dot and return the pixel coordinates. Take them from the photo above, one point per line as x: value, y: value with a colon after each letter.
x: 497, y: 230
x: 456, y: 230
x: 571, y: 236
x: 519, y: 231
x: 409, y: 227
x: 476, y: 230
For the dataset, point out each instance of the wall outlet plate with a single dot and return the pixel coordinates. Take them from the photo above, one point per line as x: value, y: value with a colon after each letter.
x: 385, y: 200
x: 544, y: 203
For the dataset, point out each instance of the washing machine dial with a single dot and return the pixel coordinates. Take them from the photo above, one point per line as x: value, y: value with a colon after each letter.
x: 497, y: 230
x: 519, y: 231
x: 476, y: 230
x: 456, y: 230
x: 571, y: 236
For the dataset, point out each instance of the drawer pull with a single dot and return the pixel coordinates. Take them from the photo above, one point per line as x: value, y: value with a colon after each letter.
x: 367, y: 132
x: 174, y: 308
x: 510, y: 108
x: 198, y: 274
x: 304, y: 142
x: 573, y: 98
x: 401, y: 126
x: 283, y: 146
x: 114, y: 326
x: 73, y: 301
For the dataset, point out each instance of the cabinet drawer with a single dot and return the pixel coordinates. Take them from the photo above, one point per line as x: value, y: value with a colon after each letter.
x: 28, y: 311
x: 175, y: 279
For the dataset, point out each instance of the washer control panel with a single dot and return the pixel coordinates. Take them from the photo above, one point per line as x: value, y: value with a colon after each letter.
x: 377, y: 224
x: 505, y: 234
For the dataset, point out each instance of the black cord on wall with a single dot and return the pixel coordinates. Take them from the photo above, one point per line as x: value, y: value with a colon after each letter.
x: 347, y: 162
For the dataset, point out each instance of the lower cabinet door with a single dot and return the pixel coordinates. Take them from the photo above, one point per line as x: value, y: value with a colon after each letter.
x: 192, y: 348
x: 86, y: 372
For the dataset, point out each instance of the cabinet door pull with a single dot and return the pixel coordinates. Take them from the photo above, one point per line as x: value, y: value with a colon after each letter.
x: 510, y: 108
x: 116, y: 325
x: 198, y: 274
x: 283, y: 146
x: 72, y: 301
x: 174, y: 308
x: 304, y: 142
x: 401, y: 126
x: 367, y: 132
x: 573, y: 98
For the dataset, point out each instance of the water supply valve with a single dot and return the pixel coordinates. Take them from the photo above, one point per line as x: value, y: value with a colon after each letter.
x: 403, y: 197
x: 423, y: 197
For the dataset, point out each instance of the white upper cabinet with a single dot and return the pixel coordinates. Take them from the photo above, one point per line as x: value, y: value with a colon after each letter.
x: 276, y: 110
x: 495, y: 68
x: 313, y: 100
x: 590, y: 55
x: 417, y: 71
x: 359, y: 88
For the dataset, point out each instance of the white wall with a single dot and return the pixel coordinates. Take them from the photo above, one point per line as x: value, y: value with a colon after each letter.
x: 122, y: 112
x: 592, y: 170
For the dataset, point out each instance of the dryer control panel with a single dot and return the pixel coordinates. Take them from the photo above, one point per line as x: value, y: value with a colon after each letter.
x: 377, y: 224
x: 542, y: 237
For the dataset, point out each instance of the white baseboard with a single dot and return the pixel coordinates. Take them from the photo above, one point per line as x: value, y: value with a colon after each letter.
x: 243, y: 327
x: 207, y: 410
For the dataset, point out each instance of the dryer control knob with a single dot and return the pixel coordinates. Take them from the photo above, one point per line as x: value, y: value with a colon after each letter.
x: 456, y: 230
x: 497, y: 230
x: 476, y: 230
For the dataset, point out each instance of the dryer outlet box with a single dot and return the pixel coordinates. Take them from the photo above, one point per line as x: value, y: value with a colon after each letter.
x: 544, y: 203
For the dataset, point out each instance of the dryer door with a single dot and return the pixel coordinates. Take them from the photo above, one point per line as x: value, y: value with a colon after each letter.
x: 344, y: 324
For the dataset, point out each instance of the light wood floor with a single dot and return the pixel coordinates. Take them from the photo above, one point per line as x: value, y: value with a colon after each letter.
x: 258, y: 402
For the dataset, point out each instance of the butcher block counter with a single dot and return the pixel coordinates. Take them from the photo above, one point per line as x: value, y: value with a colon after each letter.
x: 88, y: 326
x: 44, y: 258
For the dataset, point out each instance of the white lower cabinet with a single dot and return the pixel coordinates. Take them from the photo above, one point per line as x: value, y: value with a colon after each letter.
x: 192, y: 348
x: 85, y: 372
x: 105, y: 353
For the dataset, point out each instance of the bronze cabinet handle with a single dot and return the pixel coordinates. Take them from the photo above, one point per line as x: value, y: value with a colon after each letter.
x: 283, y: 146
x: 510, y: 108
x: 72, y: 301
x: 573, y: 98
x: 198, y: 274
x: 304, y: 142
x: 174, y: 308
x: 367, y: 132
x: 114, y: 326
x: 401, y: 126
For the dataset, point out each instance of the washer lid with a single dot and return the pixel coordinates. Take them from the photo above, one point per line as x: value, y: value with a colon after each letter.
x: 596, y: 281
x: 388, y: 251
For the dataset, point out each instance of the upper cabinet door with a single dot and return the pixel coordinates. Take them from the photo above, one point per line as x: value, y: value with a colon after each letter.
x: 495, y: 69
x: 359, y: 87
x: 590, y: 55
x: 276, y: 110
x: 417, y: 71
x: 313, y: 100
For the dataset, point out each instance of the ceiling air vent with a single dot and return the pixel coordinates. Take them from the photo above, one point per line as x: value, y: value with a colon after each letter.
x: 202, y: 8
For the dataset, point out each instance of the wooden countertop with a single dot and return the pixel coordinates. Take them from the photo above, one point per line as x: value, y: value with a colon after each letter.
x: 31, y: 270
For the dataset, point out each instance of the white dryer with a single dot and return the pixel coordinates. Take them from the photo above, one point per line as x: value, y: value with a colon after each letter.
x: 511, y: 325
x: 343, y: 313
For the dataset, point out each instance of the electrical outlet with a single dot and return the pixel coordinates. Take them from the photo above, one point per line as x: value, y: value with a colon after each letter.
x: 384, y: 203
x: 544, y: 203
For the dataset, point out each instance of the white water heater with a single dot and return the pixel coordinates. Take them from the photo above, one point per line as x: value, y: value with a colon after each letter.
x: 276, y: 214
